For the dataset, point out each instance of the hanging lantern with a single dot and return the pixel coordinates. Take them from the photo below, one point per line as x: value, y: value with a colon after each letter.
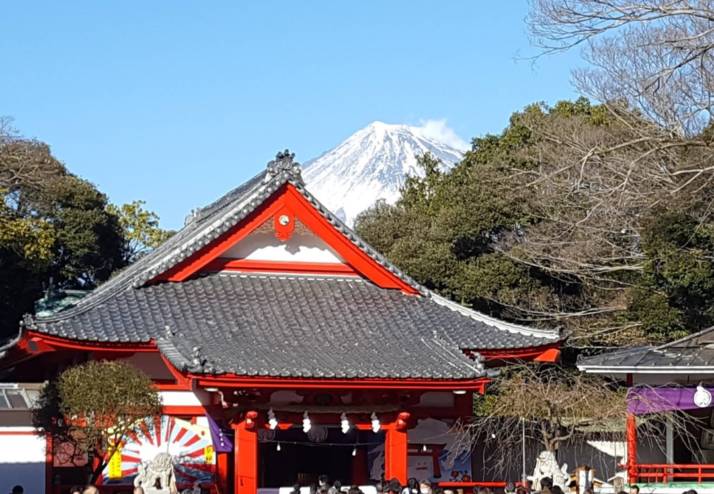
x: 272, y: 420
x: 376, y: 426
x: 344, y: 423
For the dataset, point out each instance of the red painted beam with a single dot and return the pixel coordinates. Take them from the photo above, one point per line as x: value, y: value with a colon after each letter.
x: 58, y: 342
x: 478, y: 384
x: 252, y: 266
x: 527, y: 353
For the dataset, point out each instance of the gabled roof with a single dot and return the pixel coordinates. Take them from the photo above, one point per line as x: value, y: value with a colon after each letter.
x: 691, y: 354
x: 269, y: 324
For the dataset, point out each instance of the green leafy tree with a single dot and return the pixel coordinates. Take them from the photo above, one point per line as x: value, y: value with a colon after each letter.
x: 567, y: 219
x: 54, y: 227
x: 676, y: 291
x: 140, y: 228
x: 92, y: 407
x: 57, y: 230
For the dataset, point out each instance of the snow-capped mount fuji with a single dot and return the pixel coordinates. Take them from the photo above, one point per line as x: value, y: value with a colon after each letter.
x: 371, y: 164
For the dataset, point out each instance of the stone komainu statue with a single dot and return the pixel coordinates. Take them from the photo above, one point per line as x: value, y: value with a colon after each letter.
x: 157, y: 475
x: 547, y: 466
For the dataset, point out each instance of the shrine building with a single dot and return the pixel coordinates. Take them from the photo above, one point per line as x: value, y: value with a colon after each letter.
x: 283, y: 347
x: 667, y: 380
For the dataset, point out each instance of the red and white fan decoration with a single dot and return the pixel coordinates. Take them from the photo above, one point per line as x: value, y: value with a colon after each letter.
x: 188, y: 444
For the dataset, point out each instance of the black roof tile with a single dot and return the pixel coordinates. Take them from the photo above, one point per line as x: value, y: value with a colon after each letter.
x: 696, y: 350
x: 280, y: 325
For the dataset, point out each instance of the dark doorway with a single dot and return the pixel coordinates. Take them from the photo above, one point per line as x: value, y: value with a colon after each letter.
x: 292, y: 458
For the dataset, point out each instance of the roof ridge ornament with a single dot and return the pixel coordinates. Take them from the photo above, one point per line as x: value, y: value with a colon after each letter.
x: 284, y: 163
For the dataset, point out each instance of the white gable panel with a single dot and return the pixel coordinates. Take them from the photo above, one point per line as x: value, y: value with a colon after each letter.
x: 302, y: 246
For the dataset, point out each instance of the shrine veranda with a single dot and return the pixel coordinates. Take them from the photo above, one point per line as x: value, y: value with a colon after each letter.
x: 282, y: 345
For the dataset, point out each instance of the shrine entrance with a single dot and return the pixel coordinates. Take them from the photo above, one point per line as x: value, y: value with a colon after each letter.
x: 291, y: 456
x: 268, y: 459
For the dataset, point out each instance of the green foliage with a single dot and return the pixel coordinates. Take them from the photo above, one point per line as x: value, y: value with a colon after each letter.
x: 89, y: 244
x: 486, y: 236
x: 54, y: 227
x: 676, y: 292
x: 93, y: 406
x: 443, y: 229
x: 58, y: 229
x: 140, y: 228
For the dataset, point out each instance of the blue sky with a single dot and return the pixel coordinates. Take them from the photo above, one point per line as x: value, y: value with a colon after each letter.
x: 176, y: 102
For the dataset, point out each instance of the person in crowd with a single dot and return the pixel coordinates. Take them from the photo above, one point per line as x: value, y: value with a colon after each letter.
x: 556, y: 489
x: 634, y: 489
x: 394, y: 486
x: 75, y: 489
x: 138, y: 490
x: 313, y: 488
x: 573, y: 487
x: 379, y: 487
x: 18, y: 489
x: 354, y: 490
x: 690, y: 491
x: 336, y: 487
x: 412, y: 487
x: 323, y: 481
x: 425, y: 487
x: 90, y: 489
x: 546, y: 485
x: 438, y: 490
x: 296, y: 489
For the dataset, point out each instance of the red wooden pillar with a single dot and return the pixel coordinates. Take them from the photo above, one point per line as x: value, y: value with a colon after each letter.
x: 245, y: 476
x: 49, y: 464
x: 631, y: 433
x: 396, y: 451
x: 222, y: 466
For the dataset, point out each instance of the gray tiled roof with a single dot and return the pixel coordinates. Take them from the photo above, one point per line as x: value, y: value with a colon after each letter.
x: 257, y: 324
x: 275, y: 325
x: 696, y: 350
x: 281, y: 325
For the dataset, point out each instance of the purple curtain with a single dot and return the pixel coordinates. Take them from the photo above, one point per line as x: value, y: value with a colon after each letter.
x: 641, y: 401
x: 221, y: 441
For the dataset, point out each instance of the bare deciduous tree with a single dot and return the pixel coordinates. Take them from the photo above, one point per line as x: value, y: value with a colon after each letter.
x: 598, y: 179
x: 553, y: 407
x: 655, y: 55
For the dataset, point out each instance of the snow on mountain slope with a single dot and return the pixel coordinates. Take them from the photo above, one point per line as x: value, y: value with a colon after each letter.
x: 371, y: 164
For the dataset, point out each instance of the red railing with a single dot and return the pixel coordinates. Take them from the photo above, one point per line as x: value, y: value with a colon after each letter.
x: 665, y: 473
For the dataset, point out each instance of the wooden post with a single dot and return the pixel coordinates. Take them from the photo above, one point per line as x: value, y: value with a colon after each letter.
x: 396, y: 451
x: 222, y: 465
x: 245, y: 477
x: 631, y: 448
x: 49, y: 464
